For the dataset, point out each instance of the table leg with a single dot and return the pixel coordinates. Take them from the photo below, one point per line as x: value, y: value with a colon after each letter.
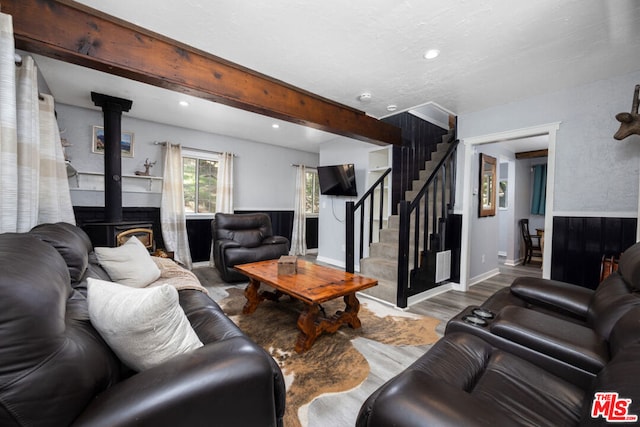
x: 309, y: 330
x: 311, y: 325
x: 351, y: 310
x: 253, y: 296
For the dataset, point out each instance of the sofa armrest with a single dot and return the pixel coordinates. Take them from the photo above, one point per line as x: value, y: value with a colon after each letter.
x: 227, y: 244
x: 558, y: 296
x: 275, y: 240
x: 225, y: 383
x: 414, y: 399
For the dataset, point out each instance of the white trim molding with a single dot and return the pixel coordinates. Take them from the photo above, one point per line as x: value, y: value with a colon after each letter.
x: 470, y: 145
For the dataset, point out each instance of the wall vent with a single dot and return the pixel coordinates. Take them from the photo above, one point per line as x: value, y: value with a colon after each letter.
x: 443, y: 266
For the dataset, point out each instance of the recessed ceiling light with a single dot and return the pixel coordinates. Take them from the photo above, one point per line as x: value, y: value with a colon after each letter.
x: 392, y: 107
x: 184, y: 103
x: 275, y: 126
x: 365, y: 97
x: 431, y: 53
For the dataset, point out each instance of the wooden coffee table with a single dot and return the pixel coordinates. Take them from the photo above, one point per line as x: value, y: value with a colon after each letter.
x: 312, y: 284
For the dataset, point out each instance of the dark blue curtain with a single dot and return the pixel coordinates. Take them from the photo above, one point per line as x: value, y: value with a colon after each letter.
x: 539, y: 196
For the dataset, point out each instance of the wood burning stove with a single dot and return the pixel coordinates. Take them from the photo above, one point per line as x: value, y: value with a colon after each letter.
x: 106, y: 232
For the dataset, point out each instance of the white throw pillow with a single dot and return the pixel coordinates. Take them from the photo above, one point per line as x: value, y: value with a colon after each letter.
x: 129, y: 264
x: 144, y: 327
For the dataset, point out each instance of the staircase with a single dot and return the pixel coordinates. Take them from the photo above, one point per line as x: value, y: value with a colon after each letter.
x: 382, y: 262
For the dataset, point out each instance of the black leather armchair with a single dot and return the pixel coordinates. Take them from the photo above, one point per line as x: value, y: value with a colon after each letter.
x: 244, y: 238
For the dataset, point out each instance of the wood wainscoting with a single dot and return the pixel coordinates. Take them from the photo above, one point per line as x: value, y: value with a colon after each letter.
x: 580, y: 242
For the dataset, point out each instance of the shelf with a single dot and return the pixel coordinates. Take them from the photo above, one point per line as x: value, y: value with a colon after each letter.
x: 379, y: 161
x: 94, y: 181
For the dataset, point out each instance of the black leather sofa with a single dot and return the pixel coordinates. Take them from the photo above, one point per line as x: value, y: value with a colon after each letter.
x: 535, y: 353
x: 244, y: 238
x: 56, y: 370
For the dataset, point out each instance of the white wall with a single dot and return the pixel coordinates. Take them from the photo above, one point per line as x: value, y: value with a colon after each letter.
x: 263, y: 176
x: 505, y: 215
x: 486, y: 231
x: 331, y: 226
x: 595, y: 175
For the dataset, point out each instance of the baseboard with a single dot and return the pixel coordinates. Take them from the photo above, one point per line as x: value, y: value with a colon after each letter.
x: 334, y: 262
x: 414, y: 299
x: 200, y: 264
x: 484, y: 276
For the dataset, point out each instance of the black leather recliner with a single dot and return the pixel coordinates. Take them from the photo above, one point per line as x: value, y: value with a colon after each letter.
x: 535, y: 353
x: 597, y: 309
x: 465, y: 381
x: 244, y: 238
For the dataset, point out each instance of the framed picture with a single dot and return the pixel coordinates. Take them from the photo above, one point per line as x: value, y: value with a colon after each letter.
x: 487, y: 184
x: 126, y: 144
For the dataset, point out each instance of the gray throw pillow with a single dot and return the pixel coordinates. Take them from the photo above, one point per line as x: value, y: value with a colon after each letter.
x: 144, y: 327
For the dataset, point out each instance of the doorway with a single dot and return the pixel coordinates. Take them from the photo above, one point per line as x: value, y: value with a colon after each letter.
x: 471, y: 146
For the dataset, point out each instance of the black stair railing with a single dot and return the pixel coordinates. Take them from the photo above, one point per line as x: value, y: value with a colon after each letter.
x: 351, y: 208
x: 441, y: 180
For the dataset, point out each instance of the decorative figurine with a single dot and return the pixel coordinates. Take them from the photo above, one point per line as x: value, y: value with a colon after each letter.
x: 629, y: 122
x: 147, y: 165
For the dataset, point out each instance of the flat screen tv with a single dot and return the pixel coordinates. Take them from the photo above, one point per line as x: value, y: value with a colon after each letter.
x: 337, y: 180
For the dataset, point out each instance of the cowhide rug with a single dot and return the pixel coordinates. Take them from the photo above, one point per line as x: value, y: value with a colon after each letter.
x: 332, y: 364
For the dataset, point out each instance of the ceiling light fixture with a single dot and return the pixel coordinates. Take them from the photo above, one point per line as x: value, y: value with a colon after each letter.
x: 431, y: 53
x: 392, y: 107
x: 184, y: 103
x: 275, y: 126
x: 364, y: 97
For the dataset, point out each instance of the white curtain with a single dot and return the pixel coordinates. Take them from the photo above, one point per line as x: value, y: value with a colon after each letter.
x: 224, y: 189
x: 33, y: 182
x: 298, y: 236
x: 55, y: 198
x: 172, y: 216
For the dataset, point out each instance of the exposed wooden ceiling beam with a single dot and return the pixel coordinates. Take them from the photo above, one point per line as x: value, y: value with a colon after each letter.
x: 74, y: 33
x: 532, y: 154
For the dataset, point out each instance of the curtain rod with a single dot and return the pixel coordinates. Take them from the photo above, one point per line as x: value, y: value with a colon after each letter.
x: 18, y: 61
x: 194, y: 149
x: 308, y: 167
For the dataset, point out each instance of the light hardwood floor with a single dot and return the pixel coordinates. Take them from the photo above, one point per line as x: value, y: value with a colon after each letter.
x: 386, y: 361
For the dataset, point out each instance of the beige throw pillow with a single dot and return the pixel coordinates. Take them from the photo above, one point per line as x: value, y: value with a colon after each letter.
x: 144, y: 327
x: 129, y: 264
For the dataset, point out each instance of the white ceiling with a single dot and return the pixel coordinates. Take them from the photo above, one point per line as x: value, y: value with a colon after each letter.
x: 491, y: 52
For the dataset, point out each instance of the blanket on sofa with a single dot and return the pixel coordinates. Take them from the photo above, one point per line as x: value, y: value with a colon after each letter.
x: 175, y: 275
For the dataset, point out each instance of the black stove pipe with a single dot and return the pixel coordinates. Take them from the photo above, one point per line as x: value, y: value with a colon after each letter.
x: 112, y: 109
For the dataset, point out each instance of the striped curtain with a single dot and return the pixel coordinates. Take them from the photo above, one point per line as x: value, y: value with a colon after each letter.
x: 33, y: 180
x: 172, y: 214
x: 298, y: 236
x: 55, y: 198
x: 539, y: 196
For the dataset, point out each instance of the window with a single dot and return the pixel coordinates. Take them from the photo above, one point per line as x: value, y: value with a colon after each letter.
x: 200, y: 179
x: 312, y: 193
